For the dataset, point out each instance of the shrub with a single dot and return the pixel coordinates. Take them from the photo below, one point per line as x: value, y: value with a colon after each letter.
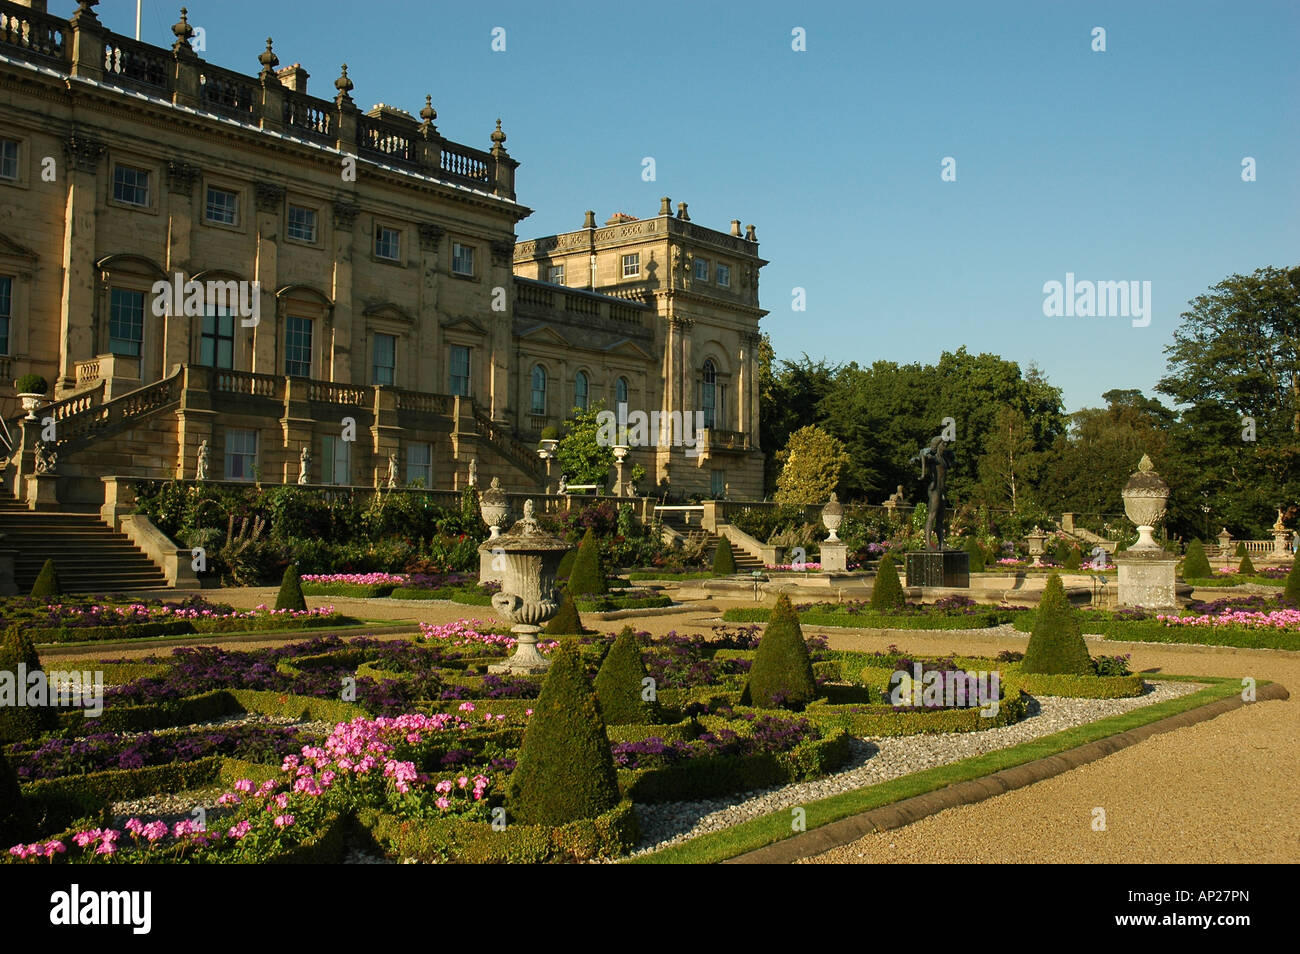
x: 619, y: 683
x: 1246, y: 566
x: 1056, y: 645
x: 566, y: 565
x: 566, y: 770
x: 47, y: 581
x: 782, y: 672
x: 15, y: 823
x: 550, y: 433
x: 887, y: 592
x: 1195, y: 565
x: 31, y: 384
x: 1073, y: 560
x: 566, y: 621
x: 724, y: 561
x: 21, y: 723
x: 587, y: 576
x: 1292, y: 592
x: 290, y: 596
x: 976, y: 554
x: 1241, y: 548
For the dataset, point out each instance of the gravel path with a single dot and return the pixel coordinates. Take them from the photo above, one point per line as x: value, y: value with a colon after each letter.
x: 877, y: 760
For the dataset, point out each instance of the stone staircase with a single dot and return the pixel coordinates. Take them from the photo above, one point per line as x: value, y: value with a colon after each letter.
x: 745, y: 563
x: 90, y: 557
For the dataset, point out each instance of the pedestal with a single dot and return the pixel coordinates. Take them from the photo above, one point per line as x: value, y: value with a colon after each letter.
x: 491, y: 563
x: 42, y: 492
x: 1146, y: 578
x: 938, y: 568
x: 834, y: 558
x: 526, y: 661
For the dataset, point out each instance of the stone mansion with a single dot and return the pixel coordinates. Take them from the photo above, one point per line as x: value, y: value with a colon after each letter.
x: 339, y: 282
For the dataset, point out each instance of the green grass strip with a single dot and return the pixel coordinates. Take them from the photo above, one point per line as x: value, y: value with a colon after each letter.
x: 665, y: 575
x: 872, y: 620
x: 758, y: 832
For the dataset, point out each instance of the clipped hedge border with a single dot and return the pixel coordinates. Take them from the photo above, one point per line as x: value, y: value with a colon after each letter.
x: 1078, y: 687
x: 1154, y: 631
x: 722, y: 775
x: 93, y: 789
x: 323, y: 847
x: 875, y: 620
x: 882, y: 720
x: 92, y: 634
x: 208, y: 706
x: 355, y: 590
x: 471, y: 842
x: 610, y: 604
x: 452, y: 593
x: 673, y: 732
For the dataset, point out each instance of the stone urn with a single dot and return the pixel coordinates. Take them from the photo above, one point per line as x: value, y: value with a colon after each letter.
x: 1146, y: 496
x: 494, y: 506
x: 528, y: 596
x: 31, y: 401
x: 1035, y: 541
x: 832, y: 517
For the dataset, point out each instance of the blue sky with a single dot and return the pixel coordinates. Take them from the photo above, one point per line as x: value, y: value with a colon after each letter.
x: 1116, y: 165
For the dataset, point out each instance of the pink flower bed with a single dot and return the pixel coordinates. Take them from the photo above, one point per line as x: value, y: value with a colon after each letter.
x: 1277, y: 619
x: 466, y: 632
x: 139, y: 613
x: 361, y: 579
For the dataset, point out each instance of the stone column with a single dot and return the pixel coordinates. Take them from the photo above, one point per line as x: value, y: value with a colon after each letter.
x: 427, y: 344
x: 77, y: 305
x: 180, y: 330
x: 268, y: 199
x: 345, y: 217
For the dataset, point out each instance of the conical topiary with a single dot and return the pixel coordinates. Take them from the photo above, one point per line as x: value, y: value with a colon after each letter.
x: 15, y: 821
x: 290, y: 596
x: 1241, y: 548
x: 976, y: 554
x: 1056, y: 645
x: 724, y: 561
x: 887, y: 591
x: 566, y: 565
x: 587, y: 577
x: 1292, y: 592
x: 47, y: 581
x: 1195, y: 564
x: 20, y: 723
x: 1073, y: 560
x: 566, y: 621
x: 566, y: 770
x: 620, y: 685
x: 1246, y: 566
x: 782, y: 673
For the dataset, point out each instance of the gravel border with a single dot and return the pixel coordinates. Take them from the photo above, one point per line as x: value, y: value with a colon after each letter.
x: 874, y: 760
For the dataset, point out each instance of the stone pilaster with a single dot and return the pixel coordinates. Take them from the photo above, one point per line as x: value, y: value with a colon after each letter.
x: 502, y: 277
x: 77, y: 303
x: 179, y: 330
x: 267, y: 202
x: 425, y: 373
x: 345, y: 217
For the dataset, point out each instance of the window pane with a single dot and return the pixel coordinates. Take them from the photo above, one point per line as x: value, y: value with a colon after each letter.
x: 462, y: 259
x: 126, y: 322
x: 130, y: 185
x: 387, y: 243
x: 555, y: 274
x: 631, y: 265
x: 8, y: 159
x: 419, y: 461
x: 580, y: 390
x: 302, y: 223
x: 539, y: 390
x: 241, y: 454
x: 385, y: 361
x: 217, y: 344
x: 620, y: 391
x: 221, y: 206
x: 6, y: 311
x: 297, y: 347
x: 702, y: 269
x: 460, y: 370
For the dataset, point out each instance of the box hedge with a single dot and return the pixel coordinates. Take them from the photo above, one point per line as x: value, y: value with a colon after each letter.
x: 781, y: 674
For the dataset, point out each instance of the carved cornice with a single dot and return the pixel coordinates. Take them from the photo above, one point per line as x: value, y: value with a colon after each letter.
x: 430, y: 236
x: 269, y: 197
x: 503, y: 253
x: 181, y: 177
x: 345, y: 214
x: 83, y: 152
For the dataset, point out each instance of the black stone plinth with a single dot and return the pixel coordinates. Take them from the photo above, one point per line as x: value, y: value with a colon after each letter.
x: 936, y: 568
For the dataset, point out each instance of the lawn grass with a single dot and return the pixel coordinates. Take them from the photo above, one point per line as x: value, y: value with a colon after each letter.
x: 635, y: 575
x: 873, y: 620
x: 774, y: 827
x: 1154, y: 631
x: 1235, y: 580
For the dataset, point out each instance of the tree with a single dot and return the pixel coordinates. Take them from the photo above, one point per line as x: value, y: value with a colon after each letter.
x: 22, y: 723
x: 620, y: 686
x: 724, y: 560
x: 1195, y: 564
x: 47, y: 581
x: 811, y: 465
x: 1056, y: 645
x: 566, y: 770
x: 1009, y: 463
x: 887, y: 591
x: 566, y: 621
x: 583, y: 458
x: 290, y: 596
x: 588, y: 577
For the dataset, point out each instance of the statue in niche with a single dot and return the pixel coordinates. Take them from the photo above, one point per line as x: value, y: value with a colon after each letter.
x: 392, y: 471
x: 201, y: 468
x: 304, y: 466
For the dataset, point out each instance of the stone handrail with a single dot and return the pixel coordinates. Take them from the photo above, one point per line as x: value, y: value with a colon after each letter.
x: 349, y: 395
x: 248, y: 382
x: 715, y: 438
x: 88, y: 421
x: 393, y: 142
x: 87, y: 371
x: 229, y: 93
x: 308, y: 115
x: 768, y: 555
x: 32, y: 32
x: 135, y: 63
x: 465, y: 162
x: 509, y: 446
x: 176, y: 562
x: 424, y: 402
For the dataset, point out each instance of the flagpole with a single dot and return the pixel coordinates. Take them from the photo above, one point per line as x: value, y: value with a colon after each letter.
x: 137, y: 20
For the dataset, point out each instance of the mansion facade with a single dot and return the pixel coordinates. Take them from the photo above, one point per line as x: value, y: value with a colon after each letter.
x: 216, y: 270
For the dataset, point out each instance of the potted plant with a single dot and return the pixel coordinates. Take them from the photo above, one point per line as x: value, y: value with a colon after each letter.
x: 31, y: 390
x: 550, y: 439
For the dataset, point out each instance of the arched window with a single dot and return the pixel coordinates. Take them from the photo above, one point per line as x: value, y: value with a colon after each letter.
x: 539, y: 389
x: 580, y: 390
x: 620, y: 392
x: 709, y: 393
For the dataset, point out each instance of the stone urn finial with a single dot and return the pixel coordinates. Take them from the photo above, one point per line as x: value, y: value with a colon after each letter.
x: 832, y: 517
x: 1145, y: 496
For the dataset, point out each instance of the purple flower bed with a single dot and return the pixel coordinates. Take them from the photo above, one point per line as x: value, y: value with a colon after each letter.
x: 100, y: 751
x: 83, y: 613
x: 771, y: 734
